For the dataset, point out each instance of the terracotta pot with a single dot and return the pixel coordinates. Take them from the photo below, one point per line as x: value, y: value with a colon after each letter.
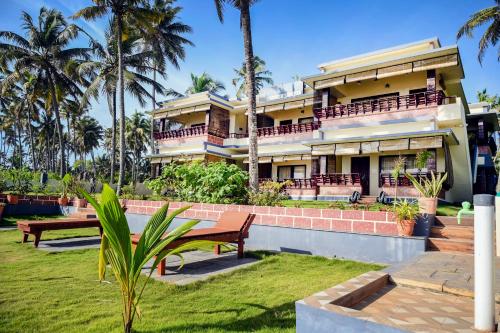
x: 62, y: 201
x: 80, y: 203
x: 2, y: 207
x: 405, y: 227
x: 13, y: 199
x: 427, y: 205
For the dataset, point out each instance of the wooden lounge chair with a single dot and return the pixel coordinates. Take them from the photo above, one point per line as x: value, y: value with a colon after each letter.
x: 232, y: 227
x: 37, y: 227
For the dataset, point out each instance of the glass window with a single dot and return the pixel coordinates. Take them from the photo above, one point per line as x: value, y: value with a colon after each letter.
x: 307, y: 120
x: 387, y: 163
x: 299, y: 172
x: 291, y: 172
x: 286, y: 122
x: 284, y: 172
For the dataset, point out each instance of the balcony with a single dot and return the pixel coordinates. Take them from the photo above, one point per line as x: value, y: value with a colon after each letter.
x: 381, y: 105
x: 387, y: 180
x: 191, y: 131
x: 288, y: 129
x: 338, y: 179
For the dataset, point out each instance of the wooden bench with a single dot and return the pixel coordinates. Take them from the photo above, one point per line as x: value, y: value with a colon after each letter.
x: 36, y: 228
x: 232, y: 227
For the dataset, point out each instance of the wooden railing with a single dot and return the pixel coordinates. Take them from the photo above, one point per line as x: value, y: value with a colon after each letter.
x: 294, y: 183
x: 287, y: 129
x: 386, y: 104
x: 389, y: 180
x: 338, y: 179
x: 183, y: 132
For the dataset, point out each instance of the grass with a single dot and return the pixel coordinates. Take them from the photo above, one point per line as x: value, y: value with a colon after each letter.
x: 11, y: 220
x: 59, y: 292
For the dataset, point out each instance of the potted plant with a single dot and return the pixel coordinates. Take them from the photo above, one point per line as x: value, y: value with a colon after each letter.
x: 405, y: 217
x: 63, y: 200
x: 75, y: 187
x: 399, y: 165
x: 20, y: 184
x: 2, y: 207
x: 429, y: 190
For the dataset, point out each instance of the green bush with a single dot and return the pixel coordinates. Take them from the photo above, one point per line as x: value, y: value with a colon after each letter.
x: 21, y: 181
x: 269, y: 194
x: 3, y: 180
x: 216, y: 182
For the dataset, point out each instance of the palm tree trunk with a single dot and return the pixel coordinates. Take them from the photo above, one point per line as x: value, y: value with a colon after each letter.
x: 153, y: 94
x: 93, y: 164
x: 55, y: 107
x: 20, y: 144
x: 121, y: 101
x: 253, y: 166
x: 112, y: 109
x: 68, y: 124
x: 30, y: 133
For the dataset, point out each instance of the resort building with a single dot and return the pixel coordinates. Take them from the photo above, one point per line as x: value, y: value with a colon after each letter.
x: 341, y: 130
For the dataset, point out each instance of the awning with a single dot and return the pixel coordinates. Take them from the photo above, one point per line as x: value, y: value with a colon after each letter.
x: 336, y: 81
x: 438, y: 62
x: 366, y: 75
x: 369, y: 147
x: 394, y: 70
x: 275, y: 107
x: 283, y: 158
x: 351, y: 148
x: 294, y: 105
x: 392, y: 145
x: 293, y: 157
x: 186, y: 158
x: 429, y: 142
x: 323, y: 150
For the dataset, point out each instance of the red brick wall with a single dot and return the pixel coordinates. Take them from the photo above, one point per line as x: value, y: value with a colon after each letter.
x: 338, y: 190
x: 215, y: 140
x: 302, y: 191
x: 33, y: 199
x: 356, y: 221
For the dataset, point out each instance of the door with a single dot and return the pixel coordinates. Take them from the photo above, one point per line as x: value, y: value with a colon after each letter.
x: 361, y: 165
x: 265, y: 170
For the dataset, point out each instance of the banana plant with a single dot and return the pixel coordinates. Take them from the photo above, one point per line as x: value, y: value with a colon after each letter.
x: 428, y: 188
x: 127, y: 264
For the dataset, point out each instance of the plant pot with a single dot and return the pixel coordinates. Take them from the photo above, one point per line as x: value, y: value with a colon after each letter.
x: 12, y: 199
x: 405, y: 227
x: 80, y: 203
x: 427, y: 205
x: 62, y: 201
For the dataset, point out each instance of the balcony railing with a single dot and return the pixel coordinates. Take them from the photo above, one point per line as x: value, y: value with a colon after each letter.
x: 338, y: 179
x: 294, y: 182
x: 389, y: 180
x: 386, y: 104
x: 288, y: 129
x: 183, y: 132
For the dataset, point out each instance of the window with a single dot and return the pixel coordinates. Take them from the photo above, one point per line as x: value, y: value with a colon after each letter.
x: 285, y: 122
x: 291, y: 172
x: 417, y: 91
x: 387, y: 163
x: 307, y: 120
x: 370, y: 98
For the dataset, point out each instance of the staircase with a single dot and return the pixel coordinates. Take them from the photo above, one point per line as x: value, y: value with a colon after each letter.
x: 449, y: 236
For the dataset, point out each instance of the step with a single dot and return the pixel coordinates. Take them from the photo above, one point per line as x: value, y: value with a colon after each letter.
x: 366, y: 199
x: 450, y: 245
x: 452, y: 221
x: 452, y: 232
x: 84, y: 215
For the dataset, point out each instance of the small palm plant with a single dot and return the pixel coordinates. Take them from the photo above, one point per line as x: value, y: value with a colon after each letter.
x: 429, y: 188
x: 398, y: 169
x: 127, y: 264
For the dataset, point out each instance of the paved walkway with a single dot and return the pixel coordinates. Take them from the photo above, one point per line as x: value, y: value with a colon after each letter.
x: 200, y: 265
x: 445, y: 272
x: 70, y: 244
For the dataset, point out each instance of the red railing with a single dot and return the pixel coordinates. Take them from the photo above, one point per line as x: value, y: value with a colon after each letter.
x: 338, y: 179
x: 288, y: 129
x: 183, y: 132
x: 389, y: 180
x: 294, y: 183
x: 386, y: 104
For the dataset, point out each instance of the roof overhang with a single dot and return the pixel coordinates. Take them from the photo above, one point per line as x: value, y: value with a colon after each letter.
x: 490, y: 117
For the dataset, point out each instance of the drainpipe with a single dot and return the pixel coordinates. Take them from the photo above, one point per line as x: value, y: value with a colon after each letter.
x: 484, y: 263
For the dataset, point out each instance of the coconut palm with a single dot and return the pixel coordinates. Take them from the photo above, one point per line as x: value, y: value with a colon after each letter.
x: 89, y: 134
x: 138, y: 129
x: 166, y: 42
x: 45, y: 52
x: 491, y: 36
x: 244, y: 7
x: 492, y: 100
x: 262, y: 77
x: 126, y: 15
x: 204, y: 82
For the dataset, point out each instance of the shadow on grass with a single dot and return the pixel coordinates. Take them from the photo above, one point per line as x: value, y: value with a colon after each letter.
x: 271, y: 318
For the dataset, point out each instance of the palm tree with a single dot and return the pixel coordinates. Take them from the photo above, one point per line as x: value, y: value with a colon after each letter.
x: 138, y: 128
x: 103, y: 76
x: 204, y: 82
x: 262, y: 77
x: 166, y: 42
x: 492, y: 34
x: 244, y: 7
x: 492, y: 100
x: 46, y: 52
x: 89, y: 134
x: 127, y: 15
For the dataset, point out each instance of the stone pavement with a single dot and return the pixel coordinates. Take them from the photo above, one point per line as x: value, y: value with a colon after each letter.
x: 200, y: 265
x: 444, y: 272
x: 69, y: 244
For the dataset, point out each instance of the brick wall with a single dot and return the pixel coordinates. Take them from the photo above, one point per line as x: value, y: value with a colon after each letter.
x: 338, y: 190
x: 355, y: 221
x: 47, y: 200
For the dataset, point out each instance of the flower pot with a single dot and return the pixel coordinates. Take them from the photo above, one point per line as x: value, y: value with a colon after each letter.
x: 405, y: 227
x: 427, y: 205
x: 80, y: 203
x: 62, y: 201
x: 12, y: 199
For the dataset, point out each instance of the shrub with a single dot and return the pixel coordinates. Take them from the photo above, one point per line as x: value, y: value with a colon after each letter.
x: 21, y: 181
x: 405, y: 210
x: 216, y: 182
x: 269, y: 194
x: 3, y: 180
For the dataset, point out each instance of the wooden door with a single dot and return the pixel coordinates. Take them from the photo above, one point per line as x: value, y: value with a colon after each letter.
x: 361, y: 165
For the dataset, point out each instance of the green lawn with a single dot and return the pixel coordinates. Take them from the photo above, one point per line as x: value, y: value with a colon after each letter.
x: 59, y: 292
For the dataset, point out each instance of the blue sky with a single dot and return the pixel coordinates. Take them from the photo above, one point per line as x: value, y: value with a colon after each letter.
x: 294, y: 36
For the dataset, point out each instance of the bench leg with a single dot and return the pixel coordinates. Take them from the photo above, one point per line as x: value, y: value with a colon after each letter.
x: 241, y: 244
x: 217, y: 249
x: 38, y: 235
x: 25, y: 237
x: 161, y: 267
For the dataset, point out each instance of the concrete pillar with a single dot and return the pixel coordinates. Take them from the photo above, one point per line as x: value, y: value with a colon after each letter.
x: 484, y: 263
